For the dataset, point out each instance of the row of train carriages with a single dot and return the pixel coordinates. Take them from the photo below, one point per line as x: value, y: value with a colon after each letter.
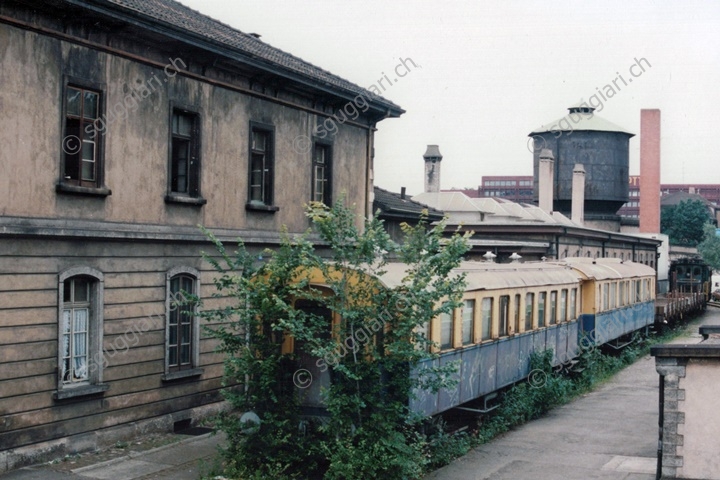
x: 511, y: 310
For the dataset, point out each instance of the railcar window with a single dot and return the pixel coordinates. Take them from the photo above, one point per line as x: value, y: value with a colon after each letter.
x: 504, y: 315
x: 517, y: 314
x: 542, y: 299
x: 553, y: 308
x: 605, y: 296
x: 563, y: 305
x: 487, y: 307
x: 529, y: 303
x: 573, y: 303
x: 638, y: 291
x: 613, y: 294
x: 622, y: 294
x: 468, y: 315
x: 446, y: 330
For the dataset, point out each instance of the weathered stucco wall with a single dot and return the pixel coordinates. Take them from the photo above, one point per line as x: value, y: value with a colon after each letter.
x: 137, y: 138
x: 701, y: 431
x: 690, y: 425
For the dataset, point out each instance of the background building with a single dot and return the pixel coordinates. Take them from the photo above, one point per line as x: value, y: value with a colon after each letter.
x: 710, y: 193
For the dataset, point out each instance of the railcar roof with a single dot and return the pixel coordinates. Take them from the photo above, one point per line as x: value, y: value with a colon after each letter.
x: 608, y: 268
x: 494, y: 276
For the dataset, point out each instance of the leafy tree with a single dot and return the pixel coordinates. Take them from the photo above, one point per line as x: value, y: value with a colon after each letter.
x: 369, y: 432
x: 684, y: 222
x: 709, y: 248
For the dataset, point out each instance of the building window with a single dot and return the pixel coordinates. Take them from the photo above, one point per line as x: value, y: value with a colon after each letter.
x: 80, y: 356
x: 504, y: 315
x: 446, y: 330
x: 182, y: 328
x: 487, y: 307
x: 468, y: 318
x: 82, y: 142
x: 529, y: 303
x: 262, y: 172
x: 185, y: 154
x: 322, y: 174
x: 542, y: 299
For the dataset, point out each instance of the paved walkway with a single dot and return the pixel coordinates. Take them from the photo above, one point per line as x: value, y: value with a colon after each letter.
x: 184, y: 460
x: 610, y: 433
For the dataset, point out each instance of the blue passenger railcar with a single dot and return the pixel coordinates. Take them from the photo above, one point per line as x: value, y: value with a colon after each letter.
x: 510, y: 311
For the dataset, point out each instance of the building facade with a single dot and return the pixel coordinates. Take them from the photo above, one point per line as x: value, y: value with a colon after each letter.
x: 515, y: 188
x: 127, y: 124
x: 631, y: 209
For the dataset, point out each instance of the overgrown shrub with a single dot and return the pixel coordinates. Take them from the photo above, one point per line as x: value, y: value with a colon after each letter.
x: 369, y: 430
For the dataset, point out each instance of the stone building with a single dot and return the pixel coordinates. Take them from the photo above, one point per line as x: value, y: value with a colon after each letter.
x: 126, y: 124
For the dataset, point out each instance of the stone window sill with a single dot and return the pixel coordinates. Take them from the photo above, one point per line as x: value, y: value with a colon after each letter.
x: 80, y: 391
x: 87, y: 191
x: 181, y: 374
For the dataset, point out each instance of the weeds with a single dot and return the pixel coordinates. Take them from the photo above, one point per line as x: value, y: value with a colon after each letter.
x: 527, y: 401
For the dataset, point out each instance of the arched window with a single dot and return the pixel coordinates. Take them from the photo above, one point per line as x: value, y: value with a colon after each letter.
x: 80, y: 332
x: 182, y: 330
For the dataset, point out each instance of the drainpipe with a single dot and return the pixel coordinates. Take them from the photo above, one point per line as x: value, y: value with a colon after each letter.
x: 661, y: 423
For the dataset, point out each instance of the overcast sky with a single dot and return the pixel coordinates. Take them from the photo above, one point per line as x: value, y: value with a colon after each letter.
x: 488, y: 73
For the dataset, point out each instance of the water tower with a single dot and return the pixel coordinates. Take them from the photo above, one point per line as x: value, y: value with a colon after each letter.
x: 582, y: 137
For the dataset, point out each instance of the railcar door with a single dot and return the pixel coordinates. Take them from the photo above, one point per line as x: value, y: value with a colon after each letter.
x: 313, y: 373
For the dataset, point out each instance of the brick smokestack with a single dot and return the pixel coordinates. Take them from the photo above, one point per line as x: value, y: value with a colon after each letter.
x: 432, y: 158
x: 545, y: 180
x: 650, y: 171
x: 578, y: 194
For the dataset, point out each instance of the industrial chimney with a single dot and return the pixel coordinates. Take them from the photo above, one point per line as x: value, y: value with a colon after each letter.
x: 650, y: 171
x: 432, y: 159
x: 545, y: 180
x: 578, y: 194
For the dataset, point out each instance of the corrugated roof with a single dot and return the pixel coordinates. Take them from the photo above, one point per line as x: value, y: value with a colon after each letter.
x: 490, y: 276
x: 608, y: 268
x: 180, y: 17
x: 450, y: 202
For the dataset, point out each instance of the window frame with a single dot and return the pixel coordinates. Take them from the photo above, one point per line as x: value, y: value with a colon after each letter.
x: 327, y: 191
x: 503, y: 315
x: 193, y: 196
x: 194, y: 369
x: 468, y: 321
x: 563, y: 310
x: 529, y: 310
x: 267, y: 204
x: 446, y: 318
x: 96, y: 360
x: 542, y: 309
x: 92, y: 188
x: 486, y: 321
